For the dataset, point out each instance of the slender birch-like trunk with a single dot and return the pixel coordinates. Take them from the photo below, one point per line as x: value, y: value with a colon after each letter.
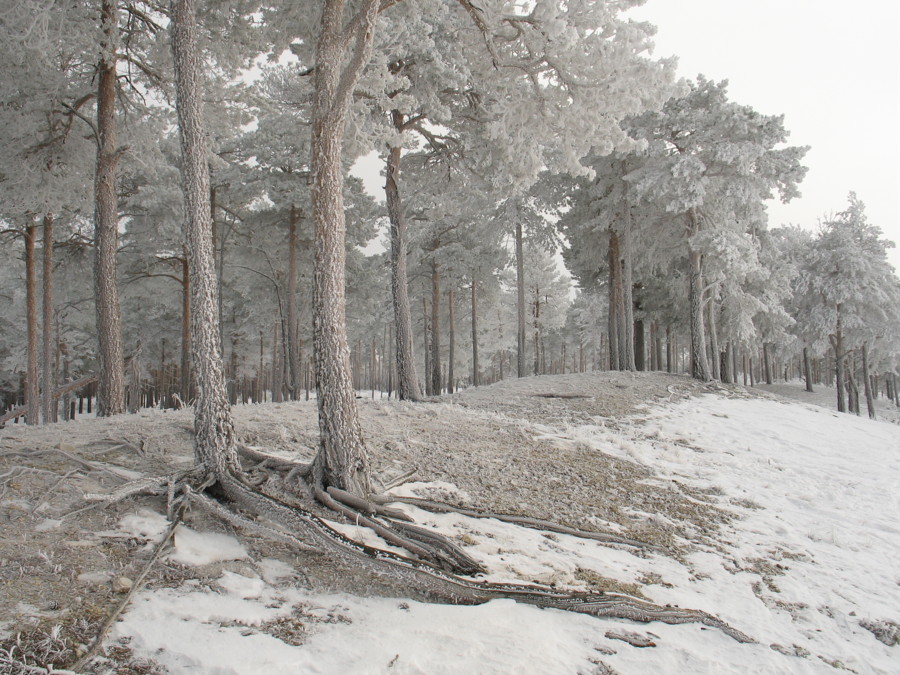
x: 111, y: 383
x: 215, y: 444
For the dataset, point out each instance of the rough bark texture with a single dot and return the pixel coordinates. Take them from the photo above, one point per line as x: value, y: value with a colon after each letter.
x: 767, y: 363
x: 32, y: 388
x: 714, y: 340
x: 48, y: 404
x: 185, y: 385
x: 628, y: 295
x: 475, y: 378
x: 407, y: 380
x: 111, y: 389
x: 214, y: 438
x: 436, y: 384
x: 699, y: 363
x: 520, y: 303
x: 342, y: 460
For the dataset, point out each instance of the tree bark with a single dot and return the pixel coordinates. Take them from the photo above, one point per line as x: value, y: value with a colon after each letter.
x: 215, y: 444
x: 32, y: 384
x: 342, y: 460
x: 699, y: 363
x: 185, y: 385
x: 536, y: 325
x: 714, y: 340
x: 867, y: 381
x: 48, y: 404
x: 293, y: 325
x: 475, y: 377
x: 451, y: 340
x: 520, y: 303
x: 615, y: 303
x: 436, y: 384
x: 806, y: 371
x: 111, y: 391
x: 767, y: 363
x: 837, y: 343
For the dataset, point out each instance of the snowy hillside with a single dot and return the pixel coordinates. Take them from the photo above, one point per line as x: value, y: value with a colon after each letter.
x: 778, y: 517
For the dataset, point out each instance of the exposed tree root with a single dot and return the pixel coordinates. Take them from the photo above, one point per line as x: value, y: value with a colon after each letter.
x: 524, y: 521
x: 438, y: 572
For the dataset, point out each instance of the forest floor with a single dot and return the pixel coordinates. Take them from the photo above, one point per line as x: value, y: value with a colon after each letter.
x: 779, y: 517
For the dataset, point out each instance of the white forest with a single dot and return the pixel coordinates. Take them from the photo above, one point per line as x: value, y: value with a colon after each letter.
x: 556, y: 397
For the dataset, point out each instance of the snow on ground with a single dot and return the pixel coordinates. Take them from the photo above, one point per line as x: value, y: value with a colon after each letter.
x: 811, y: 557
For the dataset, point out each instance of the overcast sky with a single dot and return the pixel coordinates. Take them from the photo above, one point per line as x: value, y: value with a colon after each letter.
x: 832, y: 68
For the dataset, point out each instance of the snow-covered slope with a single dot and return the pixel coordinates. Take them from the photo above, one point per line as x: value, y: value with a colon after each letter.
x: 808, y: 564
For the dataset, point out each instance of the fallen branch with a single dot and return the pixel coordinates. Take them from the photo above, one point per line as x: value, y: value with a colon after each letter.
x: 89, y: 654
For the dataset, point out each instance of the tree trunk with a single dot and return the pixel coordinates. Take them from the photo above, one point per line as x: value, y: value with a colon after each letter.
x: 728, y: 372
x: 628, y: 297
x: 767, y: 361
x: 640, y: 349
x: 48, y: 405
x: 520, y: 302
x: 215, y: 445
x: 342, y: 460
x: 536, y: 325
x: 451, y: 340
x: 109, y: 323
x: 407, y: 381
x: 699, y: 364
x: 436, y: 384
x: 714, y: 340
x: 867, y: 381
x: 837, y: 343
x: 185, y: 384
x: 475, y: 379
x: 32, y: 383
x: 426, y: 348
x: 616, y: 310
x: 806, y: 372
x: 293, y: 324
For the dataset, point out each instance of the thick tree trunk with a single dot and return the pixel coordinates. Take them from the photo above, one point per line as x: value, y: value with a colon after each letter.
x: 293, y: 324
x: 436, y: 384
x: 342, y: 460
x: 728, y: 370
x: 426, y: 346
x: 520, y: 302
x: 407, y: 381
x: 109, y: 323
x: 837, y: 344
x: 475, y: 377
x: 867, y: 381
x: 215, y: 444
x: 640, y: 349
x: 48, y: 404
x: 628, y: 298
x: 451, y: 340
x: 32, y: 383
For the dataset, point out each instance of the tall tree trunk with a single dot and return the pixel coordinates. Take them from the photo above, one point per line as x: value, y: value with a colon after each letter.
x: 436, y: 384
x: 628, y: 295
x: 837, y: 343
x: 185, y: 385
x: 293, y: 324
x: 867, y: 381
x: 426, y: 346
x: 109, y: 322
x: 407, y: 381
x: 48, y: 403
x: 714, y: 339
x: 475, y: 378
x: 342, y: 460
x: 806, y: 372
x: 215, y: 445
x: 616, y: 330
x: 728, y: 374
x: 699, y: 363
x: 32, y: 383
x: 536, y: 325
x: 451, y: 340
x: 520, y: 302
x: 767, y: 362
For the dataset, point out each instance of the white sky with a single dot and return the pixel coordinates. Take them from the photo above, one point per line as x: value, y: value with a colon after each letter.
x: 833, y: 70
